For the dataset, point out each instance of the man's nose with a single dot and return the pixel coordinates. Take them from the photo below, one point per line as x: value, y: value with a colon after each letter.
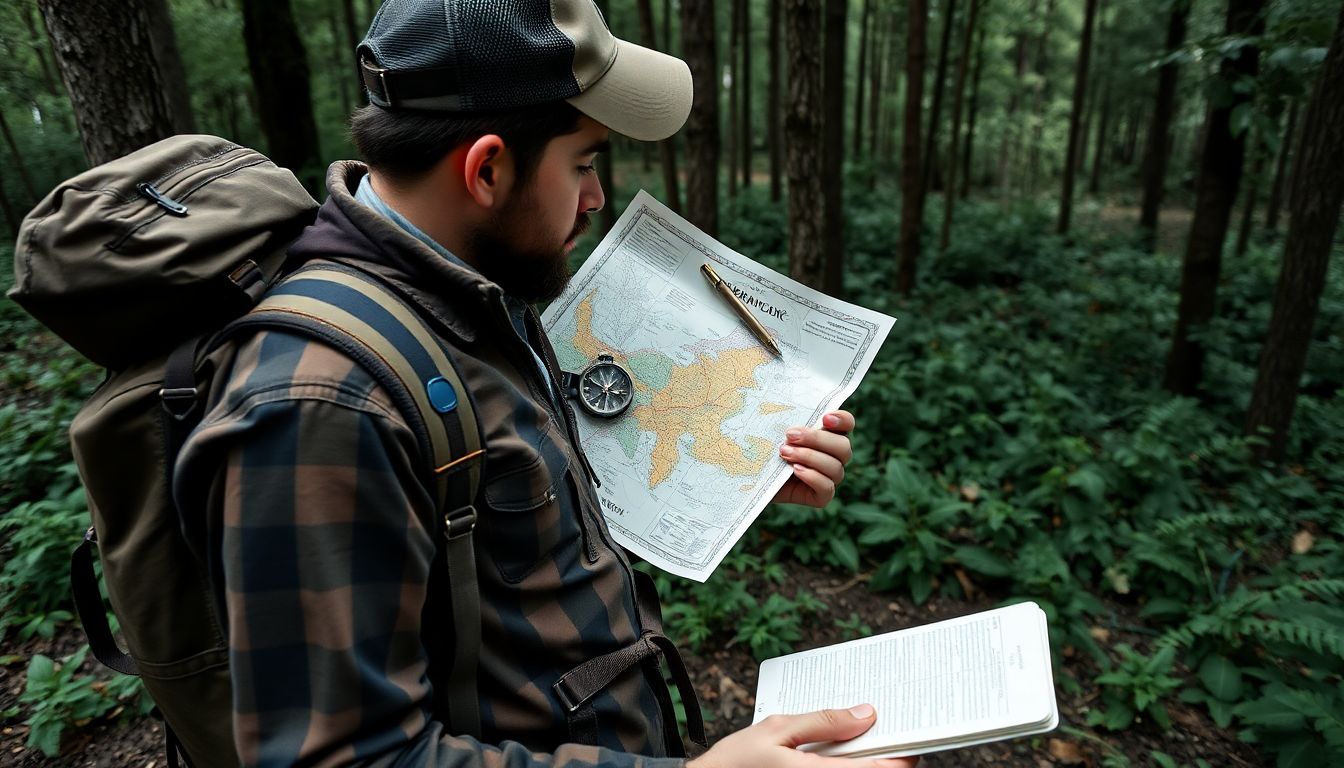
x: 591, y: 198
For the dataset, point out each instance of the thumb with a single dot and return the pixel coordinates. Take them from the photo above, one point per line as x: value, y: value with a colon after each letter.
x: 827, y: 725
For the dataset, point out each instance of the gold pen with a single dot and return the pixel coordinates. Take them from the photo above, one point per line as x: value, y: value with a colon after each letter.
x: 753, y: 324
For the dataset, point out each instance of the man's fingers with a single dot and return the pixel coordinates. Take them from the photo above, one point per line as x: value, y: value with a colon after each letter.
x: 824, y: 463
x: 825, y: 725
x: 821, y: 440
x: 822, y: 487
x: 840, y: 422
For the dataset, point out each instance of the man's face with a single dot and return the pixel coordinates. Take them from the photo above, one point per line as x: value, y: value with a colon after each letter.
x: 525, y: 246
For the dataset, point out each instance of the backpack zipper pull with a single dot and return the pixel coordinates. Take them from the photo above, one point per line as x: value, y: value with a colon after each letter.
x: 163, y: 201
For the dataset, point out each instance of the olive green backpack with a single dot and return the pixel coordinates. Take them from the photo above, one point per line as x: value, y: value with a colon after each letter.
x: 149, y: 266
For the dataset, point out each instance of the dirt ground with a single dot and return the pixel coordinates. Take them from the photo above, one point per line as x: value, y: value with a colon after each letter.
x: 726, y: 680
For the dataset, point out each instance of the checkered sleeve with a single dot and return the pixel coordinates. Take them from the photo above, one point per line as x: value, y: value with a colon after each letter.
x: 325, y: 559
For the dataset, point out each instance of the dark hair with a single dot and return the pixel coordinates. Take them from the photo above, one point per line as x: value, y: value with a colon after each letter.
x: 405, y: 144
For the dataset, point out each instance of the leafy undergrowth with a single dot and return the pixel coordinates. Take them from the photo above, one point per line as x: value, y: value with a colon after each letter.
x: 1014, y: 443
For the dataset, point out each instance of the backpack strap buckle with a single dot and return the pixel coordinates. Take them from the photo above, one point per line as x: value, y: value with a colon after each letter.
x: 179, y: 402
x: 460, y: 522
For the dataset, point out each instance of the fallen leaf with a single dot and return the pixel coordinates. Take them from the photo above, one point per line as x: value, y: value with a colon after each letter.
x: 1066, y: 752
x: 1303, y: 541
x: 732, y: 697
x: 1100, y: 634
x: 966, y: 584
x: 970, y: 492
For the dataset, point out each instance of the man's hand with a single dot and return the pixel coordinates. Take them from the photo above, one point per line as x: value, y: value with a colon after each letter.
x: 773, y: 742
x: 818, y: 457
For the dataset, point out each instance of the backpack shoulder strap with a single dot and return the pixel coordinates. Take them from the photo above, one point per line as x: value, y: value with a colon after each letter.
x: 361, y: 316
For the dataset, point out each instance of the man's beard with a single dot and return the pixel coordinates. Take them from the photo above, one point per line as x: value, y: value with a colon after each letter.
x: 530, y: 272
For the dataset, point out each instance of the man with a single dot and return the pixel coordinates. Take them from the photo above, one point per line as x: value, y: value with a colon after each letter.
x: 485, y: 121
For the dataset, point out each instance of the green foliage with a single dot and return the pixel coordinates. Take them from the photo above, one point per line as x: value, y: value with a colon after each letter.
x: 58, y: 696
x: 1136, y: 686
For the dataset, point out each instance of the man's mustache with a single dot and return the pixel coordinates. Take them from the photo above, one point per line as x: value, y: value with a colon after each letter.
x: 580, y: 226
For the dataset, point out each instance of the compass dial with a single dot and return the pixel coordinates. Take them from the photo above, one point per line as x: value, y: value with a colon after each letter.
x: 605, y: 388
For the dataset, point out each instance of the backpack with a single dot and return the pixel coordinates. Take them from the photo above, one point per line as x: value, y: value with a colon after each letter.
x: 149, y: 266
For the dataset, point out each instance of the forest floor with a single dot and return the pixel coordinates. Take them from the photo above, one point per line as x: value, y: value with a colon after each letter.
x: 726, y: 680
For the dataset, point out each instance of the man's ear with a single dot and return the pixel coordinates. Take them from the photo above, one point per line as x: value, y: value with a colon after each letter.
x: 487, y: 170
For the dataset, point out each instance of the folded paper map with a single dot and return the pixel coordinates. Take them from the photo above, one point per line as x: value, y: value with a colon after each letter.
x: 695, y: 459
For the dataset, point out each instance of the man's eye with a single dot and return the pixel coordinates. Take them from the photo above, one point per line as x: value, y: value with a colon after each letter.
x: 584, y: 170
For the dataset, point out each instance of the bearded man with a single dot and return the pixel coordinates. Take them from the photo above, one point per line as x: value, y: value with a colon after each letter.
x: 477, y: 177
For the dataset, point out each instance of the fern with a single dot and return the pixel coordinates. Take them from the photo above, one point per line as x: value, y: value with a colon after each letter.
x: 1288, y: 614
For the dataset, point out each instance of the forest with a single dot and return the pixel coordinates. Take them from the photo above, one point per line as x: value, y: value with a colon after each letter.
x: 1106, y: 229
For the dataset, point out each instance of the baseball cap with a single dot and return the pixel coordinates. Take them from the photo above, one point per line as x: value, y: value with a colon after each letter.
x: 483, y: 55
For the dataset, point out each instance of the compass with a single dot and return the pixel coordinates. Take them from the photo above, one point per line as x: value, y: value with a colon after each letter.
x: 604, y: 389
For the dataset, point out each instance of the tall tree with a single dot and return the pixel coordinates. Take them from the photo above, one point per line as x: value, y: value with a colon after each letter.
x: 35, y: 41
x: 968, y: 152
x: 912, y: 177
x: 881, y: 43
x: 954, y: 146
x: 667, y: 148
x: 802, y: 139
x: 1280, y: 164
x: 1317, y: 193
x: 164, y: 39
x: 1215, y: 192
x: 340, y: 74
x: 1157, y: 150
x: 1039, y: 91
x: 17, y: 158
x: 107, y: 60
x: 1075, y: 116
x: 1012, y: 137
x: 833, y: 146
x: 746, y: 94
x: 1103, y: 124
x: 734, y: 91
x: 774, y: 115
x: 1250, y: 194
x: 702, y: 126
x: 861, y: 80
x: 606, y: 162
x: 936, y: 108
x: 279, y: 68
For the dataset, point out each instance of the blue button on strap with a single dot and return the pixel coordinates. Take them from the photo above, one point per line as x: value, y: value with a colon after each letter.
x: 442, y: 396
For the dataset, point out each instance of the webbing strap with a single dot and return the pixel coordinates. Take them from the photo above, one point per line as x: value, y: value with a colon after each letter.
x: 365, y: 319
x: 92, y: 614
x: 577, y: 687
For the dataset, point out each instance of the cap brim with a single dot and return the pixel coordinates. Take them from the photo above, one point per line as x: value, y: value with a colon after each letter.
x: 645, y: 95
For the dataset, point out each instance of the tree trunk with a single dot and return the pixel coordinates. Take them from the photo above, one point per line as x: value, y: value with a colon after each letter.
x: 881, y: 43
x: 1155, y: 156
x: 833, y: 146
x: 348, y: 57
x: 746, y: 94
x: 1317, y: 193
x: 702, y: 126
x: 106, y: 58
x: 887, y: 131
x: 802, y: 136
x: 968, y: 151
x: 667, y: 148
x: 339, y: 73
x: 1099, y: 152
x: 1075, y: 116
x: 954, y: 146
x: 1276, y: 188
x: 861, y: 80
x: 773, y: 112
x: 370, y: 10
x: 936, y: 108
x: 11, y: 217
x: 667, y: 26
x: 279, y: 69
x: 1042, y: 64
x: 1012, y: 142
x: 606, y: 162
x: 1215, y: 192
x: 734, y: 119
x: 912, y: 177
x: 164, y: 39
x: 1250, y: 193
x: 35, y: 41
x: 19, y: 164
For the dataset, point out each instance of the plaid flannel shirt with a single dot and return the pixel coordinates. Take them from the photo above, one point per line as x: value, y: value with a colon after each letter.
x: 308, y: 474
